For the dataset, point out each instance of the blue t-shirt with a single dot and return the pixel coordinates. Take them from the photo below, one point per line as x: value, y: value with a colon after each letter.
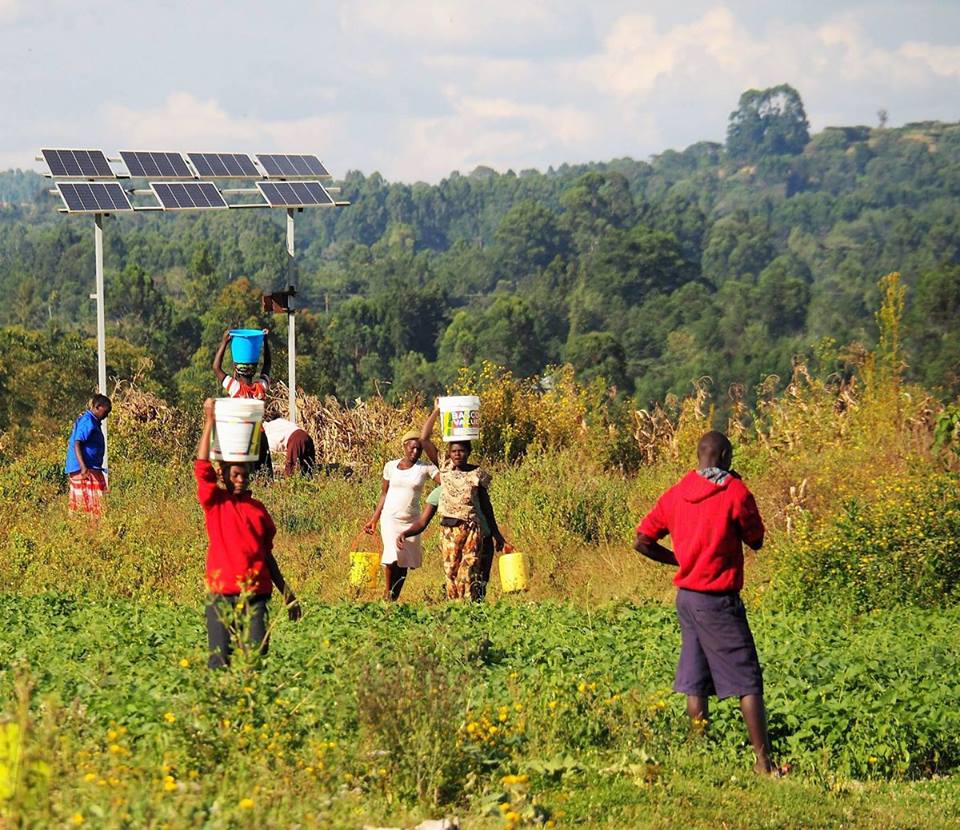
x: 87, y: 431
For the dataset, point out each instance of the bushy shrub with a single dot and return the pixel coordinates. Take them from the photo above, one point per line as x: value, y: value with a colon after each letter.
x: 899, y: 546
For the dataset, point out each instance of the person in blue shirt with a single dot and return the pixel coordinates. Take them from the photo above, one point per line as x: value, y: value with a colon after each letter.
x: 85, y: 451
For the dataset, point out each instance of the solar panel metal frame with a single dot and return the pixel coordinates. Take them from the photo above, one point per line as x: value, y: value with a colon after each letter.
x: 222, y: 205
x: 266, y: 165
x: 187, y: 172
x: 254, y: 174
x: 82, y: 197
x: 80, y: 175
x: 285, y: 202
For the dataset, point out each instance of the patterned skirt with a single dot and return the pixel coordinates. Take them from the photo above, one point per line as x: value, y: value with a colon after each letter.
x: 460, y: 546
x: 86, y: 496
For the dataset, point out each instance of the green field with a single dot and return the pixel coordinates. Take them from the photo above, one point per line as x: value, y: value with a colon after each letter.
x: 364, y: 713
x: 552, y: 709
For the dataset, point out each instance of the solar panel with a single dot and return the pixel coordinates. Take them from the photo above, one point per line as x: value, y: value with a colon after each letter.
x: 93, y: 197
x: 188, y: 195
x: 78, y: 164
x: 294, y: 194
x: 224, y: 165
x: 144, y: 165
x: 286, y: 166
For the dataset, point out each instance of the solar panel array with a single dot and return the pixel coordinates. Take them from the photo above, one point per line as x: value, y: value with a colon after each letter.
x: 294, y: 194
x: 155, y: 165
x: 283, y: 166
x: 78, y: 164
x: 173, y: 179
x: 224, y: 165
x: 188, y: 195
x: 93, y: 197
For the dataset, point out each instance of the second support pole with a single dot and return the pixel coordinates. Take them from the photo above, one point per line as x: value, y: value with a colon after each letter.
x: 291, y: 323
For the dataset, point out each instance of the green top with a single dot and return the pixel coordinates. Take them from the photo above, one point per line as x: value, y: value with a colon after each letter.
x: 434, y: 499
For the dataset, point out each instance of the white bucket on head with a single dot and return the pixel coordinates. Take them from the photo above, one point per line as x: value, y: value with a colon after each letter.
x: 460, y: 418
x: 237, y: 433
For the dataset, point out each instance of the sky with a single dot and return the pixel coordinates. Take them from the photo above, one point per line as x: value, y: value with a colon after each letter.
x: 416, y: 89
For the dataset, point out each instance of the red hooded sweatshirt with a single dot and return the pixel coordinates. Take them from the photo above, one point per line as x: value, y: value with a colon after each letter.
x: 707, y: 523
x: 241, y: 534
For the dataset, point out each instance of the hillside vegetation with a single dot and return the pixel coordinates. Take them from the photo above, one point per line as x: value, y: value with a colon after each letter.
x: 719, y: 260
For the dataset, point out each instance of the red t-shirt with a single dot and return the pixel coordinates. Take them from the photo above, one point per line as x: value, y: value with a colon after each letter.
x: 240, y: 532
x: 707, y: 523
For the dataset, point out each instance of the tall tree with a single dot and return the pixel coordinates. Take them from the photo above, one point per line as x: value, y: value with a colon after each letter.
x: 768, y: 122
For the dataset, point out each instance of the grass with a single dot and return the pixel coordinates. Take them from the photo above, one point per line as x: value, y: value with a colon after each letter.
x: 551, y: 709
x: 367, y: 713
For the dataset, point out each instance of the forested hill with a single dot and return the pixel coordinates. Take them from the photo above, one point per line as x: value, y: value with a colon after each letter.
x: 722, y: 260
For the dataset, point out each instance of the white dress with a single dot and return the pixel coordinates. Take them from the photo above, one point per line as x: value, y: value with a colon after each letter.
x: 401, y: 508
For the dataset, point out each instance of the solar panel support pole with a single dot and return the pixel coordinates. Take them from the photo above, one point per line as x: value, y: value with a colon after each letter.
x: 291, y: 324
x: 101, y: 322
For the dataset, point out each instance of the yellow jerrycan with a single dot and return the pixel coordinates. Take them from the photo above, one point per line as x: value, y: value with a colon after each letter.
x: 514, y: 571
x: 364, y: 566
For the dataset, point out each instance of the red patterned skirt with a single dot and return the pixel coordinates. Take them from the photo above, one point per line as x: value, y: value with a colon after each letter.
x: 87, y: 495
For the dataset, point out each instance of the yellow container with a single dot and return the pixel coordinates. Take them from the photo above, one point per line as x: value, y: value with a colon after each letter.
x: 364, y: 570
x: 514, y: 572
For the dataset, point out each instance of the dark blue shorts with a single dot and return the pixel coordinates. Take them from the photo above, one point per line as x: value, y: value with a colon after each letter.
x: 717, y: 653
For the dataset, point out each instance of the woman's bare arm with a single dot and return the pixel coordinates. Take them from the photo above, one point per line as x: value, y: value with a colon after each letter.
x: 370, y: 526
x: 426, y: 440
x: 203, y: 445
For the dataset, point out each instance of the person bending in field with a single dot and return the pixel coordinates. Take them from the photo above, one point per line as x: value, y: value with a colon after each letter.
x: 463, y: 498
x: 85, y: 451
x: 486, y: 538
x: 245, y: 383
x: 286, y: 437
x: 241, y: 568
x: 708, y: 514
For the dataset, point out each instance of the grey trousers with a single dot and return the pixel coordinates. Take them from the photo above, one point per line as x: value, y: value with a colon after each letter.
x: 227, y: 626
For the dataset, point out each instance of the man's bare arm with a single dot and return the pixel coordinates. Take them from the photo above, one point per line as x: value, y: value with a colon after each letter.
x: 652, y: 549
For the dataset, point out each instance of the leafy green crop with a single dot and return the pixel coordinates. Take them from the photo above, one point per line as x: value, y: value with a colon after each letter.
x: 135, y: 730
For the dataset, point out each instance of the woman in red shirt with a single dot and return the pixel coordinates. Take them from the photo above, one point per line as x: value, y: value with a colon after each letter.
x: 241, y: 568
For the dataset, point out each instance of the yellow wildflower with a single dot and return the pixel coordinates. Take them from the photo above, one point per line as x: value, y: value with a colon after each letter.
x: 246, y: 803
x: 169, y: 717
x: 77, y: 818
x: 184, y: 663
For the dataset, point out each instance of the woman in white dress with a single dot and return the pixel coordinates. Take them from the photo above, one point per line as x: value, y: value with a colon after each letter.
x: 397, y: 510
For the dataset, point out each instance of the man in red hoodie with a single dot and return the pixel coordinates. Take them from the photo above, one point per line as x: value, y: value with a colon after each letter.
x: 241, y: 568
x: 708, y: 514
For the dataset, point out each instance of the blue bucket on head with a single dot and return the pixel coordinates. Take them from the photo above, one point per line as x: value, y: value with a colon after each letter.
x: 245, y: 345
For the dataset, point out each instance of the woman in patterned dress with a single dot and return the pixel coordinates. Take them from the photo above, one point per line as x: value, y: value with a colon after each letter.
x: 465, y: 493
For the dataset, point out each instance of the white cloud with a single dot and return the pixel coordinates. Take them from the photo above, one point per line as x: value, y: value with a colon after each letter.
x: 498, y: 132
x: 9, y: 10
x: 451, y: 23
x: 185, y: 122
x: 636, y: 54
x: 943, y: 60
